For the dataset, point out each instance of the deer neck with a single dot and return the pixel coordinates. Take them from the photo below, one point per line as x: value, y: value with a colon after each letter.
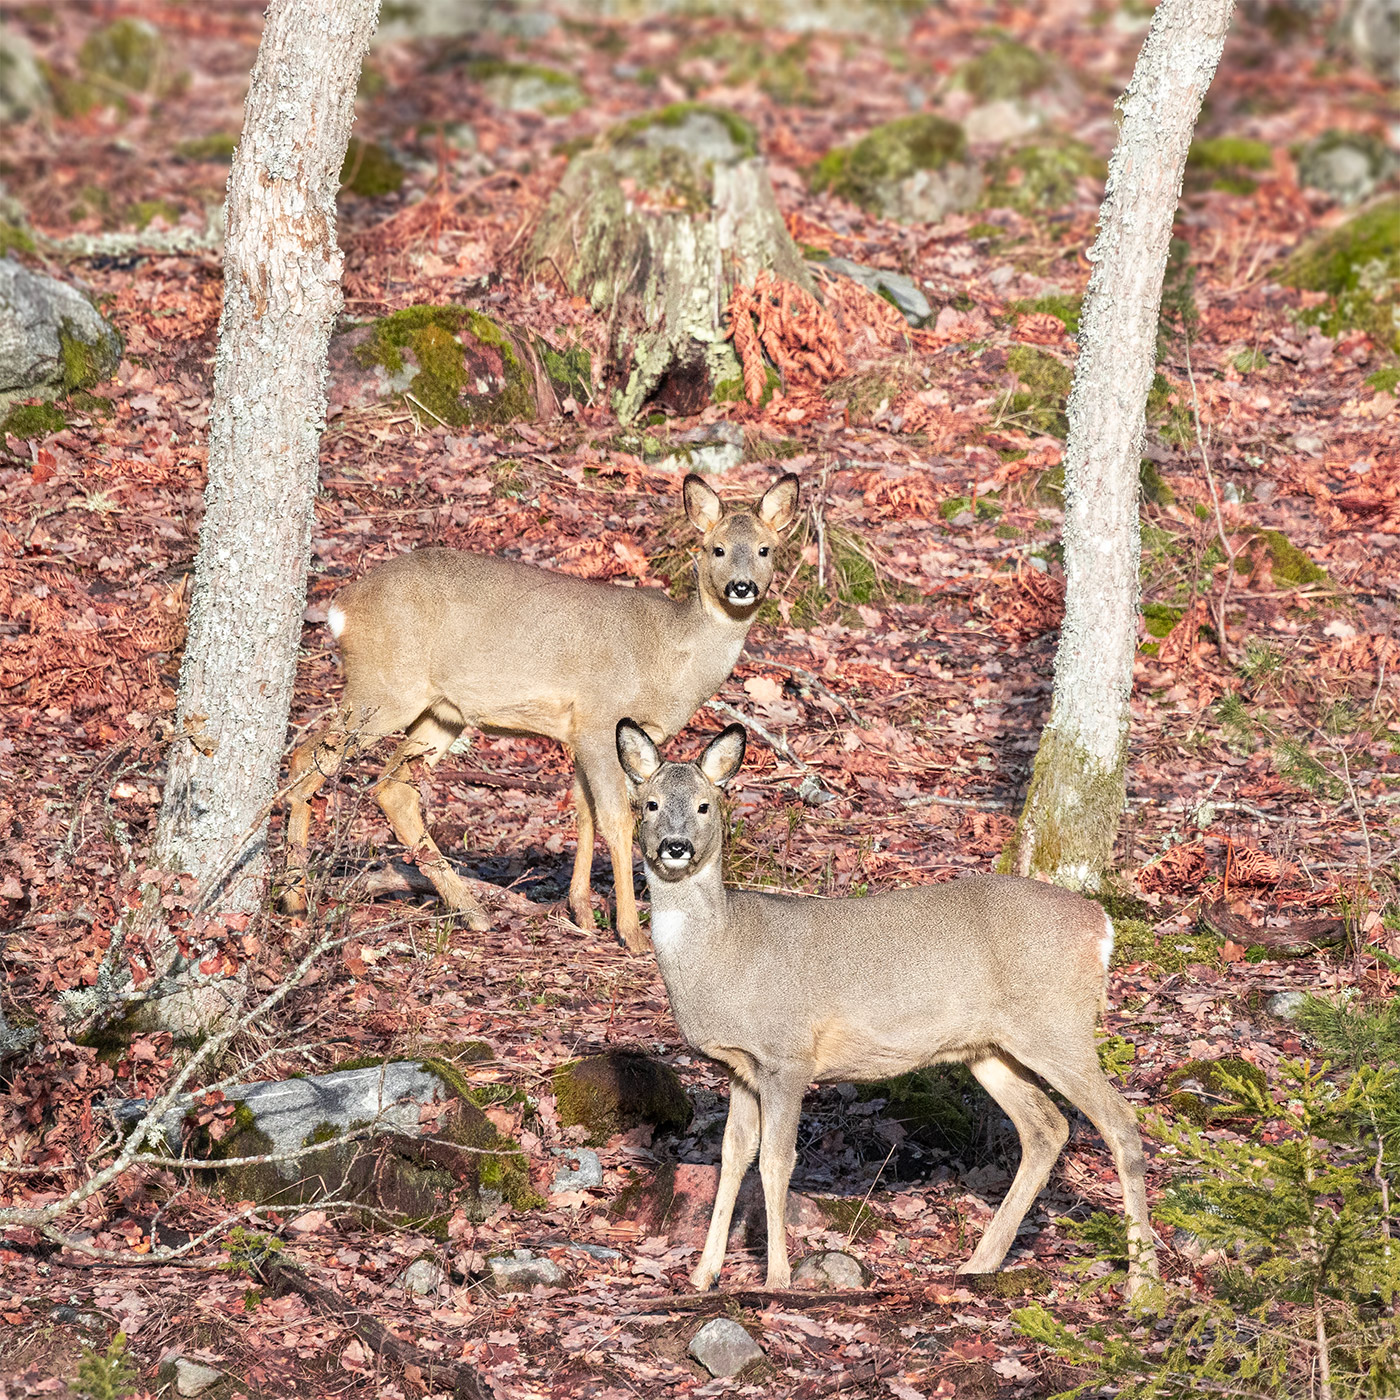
x: 687, y: 916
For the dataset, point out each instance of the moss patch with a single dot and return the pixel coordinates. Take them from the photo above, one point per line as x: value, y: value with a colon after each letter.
x: 1044, y: 393
x: 936, y: 1106
x: 468, y: 370
x: 852, y: 1218
x: 618, y: 1090
x: 1006, y: 70
x: 1154, y: 488
x: 144, y: 211
x: 85, y: 363
x: 1385, y: 381
x: 779, y: 73
x: 369, y: 170
x: 1009, y: 1283
x: 1357, y: 266
x: 1065, y: 309
x: 742, y: 134
x: 33, y: 420
x: 1197, y: 1090
x: 526, y: 87
x: 1226, y: 163
x: 889, y: 154
x: 1041, y: 175
x: 1290, y: 567
x: 570, y: 371
x: 218, y: 147
x: 1134, y: 942
x: 14, y: 239
x: 1159, y: 619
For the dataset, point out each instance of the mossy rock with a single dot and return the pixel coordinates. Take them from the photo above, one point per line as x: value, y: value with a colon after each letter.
x: 218, y: 147
x: 618, y: 1090
x: 1159, y: 619
x: 449, y: 364
x: 1228, y: 163
x: 1045, y: 384
x: 1357, y: 266
x: 145, y: 211
x: 526, y: 87
x: 1009, y: 1283
x: 1196, y: 1090
x: 1347, y: 165
x: 1291, y: 567
x: 1006, y: 70
x: 913, y: 170
x: 936, y: 1106
x: 15, y: 238
x: 128, y: 57
x: 369, y: 170
x: 1041, y: 175
x: 32, y: 420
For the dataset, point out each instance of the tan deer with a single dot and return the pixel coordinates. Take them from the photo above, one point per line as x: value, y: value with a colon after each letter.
x: 1004, y: 974
x: 438, y: 639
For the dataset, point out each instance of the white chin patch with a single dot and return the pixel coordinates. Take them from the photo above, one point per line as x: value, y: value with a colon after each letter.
x: 675, y: 863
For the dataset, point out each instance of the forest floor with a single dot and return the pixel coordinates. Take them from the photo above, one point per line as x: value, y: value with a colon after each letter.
x: 913, y: 678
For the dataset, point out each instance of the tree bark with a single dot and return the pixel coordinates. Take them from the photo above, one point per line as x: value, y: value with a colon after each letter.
x: 1078, y: 786
x: 281, y: 295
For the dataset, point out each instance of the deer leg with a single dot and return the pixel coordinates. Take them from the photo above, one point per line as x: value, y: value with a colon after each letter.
x: 397, y: 795
x: 612, y: 813
x: 312, y: 764
x: 580, y: 886
x: 780, y: 1098
x: 1043, y: 1133
x: 1084, y: 1085
x: 741, y: 1132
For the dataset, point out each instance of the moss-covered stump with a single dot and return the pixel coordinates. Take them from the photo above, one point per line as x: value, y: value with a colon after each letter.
x: 1043, y: 174
x: 1198, y: 1090
x: 1358, y: 267
x: 618, y: 1090
x: 914, y: 170
x: 654, y: 226
x: 52, y: 340
x: 455, y: 366
x: 411, y: 1168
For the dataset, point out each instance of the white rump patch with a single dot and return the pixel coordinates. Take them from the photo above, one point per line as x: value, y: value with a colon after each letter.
x: 667, y: 927
x: 335, y: 620
x: 1106, y: 941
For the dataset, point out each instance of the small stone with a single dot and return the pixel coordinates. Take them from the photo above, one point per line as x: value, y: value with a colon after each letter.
x: 22, y: 86
x: 185, y: 1377
x: 901, y: 290
x: 422, y: 1277
x: 1309, y: 443
x: 1348, y: 165
x: 520, y: 1272
x: 586, y: 1176
x: 724, y: 1348
x: 1007, y: 119
x: 1285, y: 1005
x: 828, y: 1272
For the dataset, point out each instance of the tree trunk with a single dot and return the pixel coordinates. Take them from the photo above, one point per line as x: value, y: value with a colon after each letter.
x: 1077, y: 789
x: 281, y: 294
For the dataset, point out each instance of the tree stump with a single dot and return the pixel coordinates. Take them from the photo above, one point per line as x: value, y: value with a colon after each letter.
x: 655, y: 225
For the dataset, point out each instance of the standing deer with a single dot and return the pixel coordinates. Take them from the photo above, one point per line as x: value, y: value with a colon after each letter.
x: 439, y: 639
x: 1004, y: 974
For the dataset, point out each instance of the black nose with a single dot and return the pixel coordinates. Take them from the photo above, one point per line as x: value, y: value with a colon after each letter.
x: 675, y: 848
x: 740, y: 590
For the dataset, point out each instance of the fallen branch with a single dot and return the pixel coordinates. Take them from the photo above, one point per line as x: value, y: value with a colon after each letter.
x: 1296, y: 939
x: 812, y: 780
x: 465, y: 1381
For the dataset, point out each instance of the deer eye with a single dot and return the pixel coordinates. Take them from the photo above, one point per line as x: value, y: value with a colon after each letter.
x: 704, y: 807
x: 653, y: 806
x: 719, y: 551
x: 763, y: 551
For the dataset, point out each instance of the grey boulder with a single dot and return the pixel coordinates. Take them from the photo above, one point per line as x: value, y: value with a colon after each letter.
x: 1347, y: 165
x: 901, y: 290
x: 521, y: 1272
x: 22, y: 87
x: 828, y: 1272
x: 51, y: 336
x: 723, y: 1348
x: 1285, y: 1005
x: 423, y: 1276
x: 178, y: 1375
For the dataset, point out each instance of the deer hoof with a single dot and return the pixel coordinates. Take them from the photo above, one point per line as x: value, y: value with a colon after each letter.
x: 292, y: 903
x: 704, y: 1278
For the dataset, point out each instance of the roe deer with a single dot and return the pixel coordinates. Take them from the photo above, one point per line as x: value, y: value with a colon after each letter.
x: 1004, y: 974
x: 439, y: 639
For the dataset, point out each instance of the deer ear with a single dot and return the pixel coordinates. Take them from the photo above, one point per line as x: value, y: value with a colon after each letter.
x: 635, y: 752
x: 722, y: 759
x: 702, y: 506
x: 778, y: 508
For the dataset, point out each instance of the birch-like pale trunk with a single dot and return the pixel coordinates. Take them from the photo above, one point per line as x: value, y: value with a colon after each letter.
x: 1067, y: 829
x: 281, y: 295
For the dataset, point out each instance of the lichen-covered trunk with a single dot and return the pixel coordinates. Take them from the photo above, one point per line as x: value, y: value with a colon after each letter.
x: 281, y: 294
x: 1076, y: 793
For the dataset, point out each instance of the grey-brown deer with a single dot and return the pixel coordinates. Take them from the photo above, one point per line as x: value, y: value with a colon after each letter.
x: 439, y: 639
x: 1006, y: 975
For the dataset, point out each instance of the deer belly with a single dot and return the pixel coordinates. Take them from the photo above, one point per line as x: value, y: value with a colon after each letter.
x: 844, y: 1049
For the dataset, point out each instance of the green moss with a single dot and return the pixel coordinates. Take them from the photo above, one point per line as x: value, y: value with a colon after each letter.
x: 322, y: 1132
x: 853, y: 1218
x: 780, y: 73
x: 1116, y: 1055
x: 936, y: 1106
x: 1196, y: 1090
x: 1357, y: 266
x: 1009, y: 1283
x: 129, y: 53
x: 889, y: 154
x: 742, y: 133
x: 1154, y: 488
x: 732, y: 390
x: 1135, y: 942
x: 620, y: 1089
x: 1385, y: 381
x: 1290, y: 567
x: 369, y: 170
x: 988, y: 507
x: 1041, y: 175
x: 1065, y: 309
x: 85, y: 363
x: 1223, y: 162
x: 1247, y: 361
x: 143, y: 211
x: 1006, y: 70
x: 14, y: 239
x: 1159, y: 619
x: 435, y: 336
x: 570, y: 371
x: 216, y: 148
x: 34, y: 420
x: 525, y: 86
x: 1045, y: 386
